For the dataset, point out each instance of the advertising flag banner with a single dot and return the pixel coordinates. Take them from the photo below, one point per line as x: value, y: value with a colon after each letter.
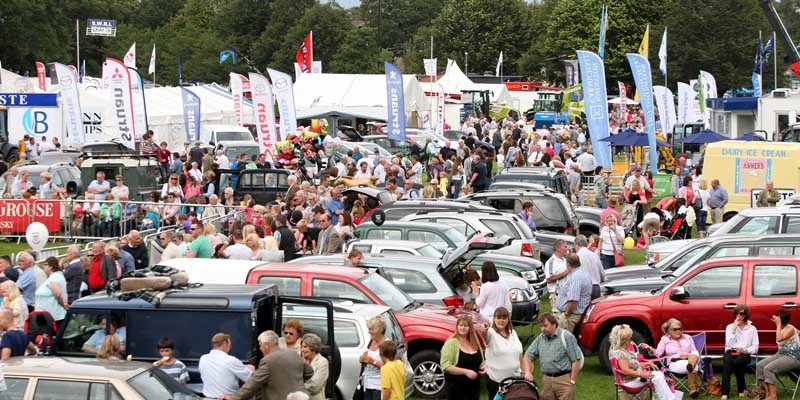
x: 237, y: 91
x: 662, y: 54
x: 710, y: 85
x: 264, y: 105
x: 284, y: 94
x: 685, y: 103
x: 40, y: 74
x: 756, y: 79
x: 571, y: 72
x: 623, y: 97
x: 70, y: 97
x: 593, y: 76
x: 117, y: 81
x: 644, y: 49
x: 665, y: 102
x: 499, y: 64
x: 152, y: 68
x: 440, y: 109
x: 72, y: 67
x: 304, y: 56
x: 139, y: 106
x: 83, y: 70
x: 191, y: 115
x: 395, y: 103
x: 430, y: 66
x: 640, y: 67
x: 130, y: 57
x: 603, y: 27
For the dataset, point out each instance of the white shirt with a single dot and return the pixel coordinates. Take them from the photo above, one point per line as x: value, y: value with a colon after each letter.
x: 417, y: 169
x: 642, y: 182
x: 170, y: 252
x: 591, y: 261
x: 606, y: 238
x: 46, y: 146
x: 221, y: 373
x: 363, y: 174
x: 40, y: 277
x: 554, y: 266
x: 492, y: 296
x: 238, y: 252
x: 587, y: 162
x: 198, y: 176
x: 380, y: 173
x: 742, y: 338
x: 502, y: 355
x: 223, y: 162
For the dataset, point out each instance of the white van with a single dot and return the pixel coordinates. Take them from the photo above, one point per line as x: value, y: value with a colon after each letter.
x: 231, y: 139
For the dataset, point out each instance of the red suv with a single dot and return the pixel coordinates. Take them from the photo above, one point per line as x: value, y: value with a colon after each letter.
x: 703, y: 300
x: 425, y: 326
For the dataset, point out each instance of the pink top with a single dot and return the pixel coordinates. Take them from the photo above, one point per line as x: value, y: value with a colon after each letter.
x: 668, y: 347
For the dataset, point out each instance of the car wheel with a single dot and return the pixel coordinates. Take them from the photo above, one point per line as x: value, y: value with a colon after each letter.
x: 428, y: 374
x: 605, y: 346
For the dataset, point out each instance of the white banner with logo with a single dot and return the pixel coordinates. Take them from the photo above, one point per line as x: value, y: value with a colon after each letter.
x: 36, y: 122
x: 118, y: 81
x: 440, y: 109
x: 70, y: 98
x: 264, y: 109
x: 139, y: 106
x: 665, y: 102
x: 430, y: 66
x: 284, y: 93
x: 237, y: 89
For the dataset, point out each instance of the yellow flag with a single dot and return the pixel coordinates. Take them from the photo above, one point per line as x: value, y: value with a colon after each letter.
x: 643, y: 49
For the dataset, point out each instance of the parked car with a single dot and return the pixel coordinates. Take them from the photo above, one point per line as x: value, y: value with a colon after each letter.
x: 349, y: 133
x: 64, y: 176
x: 352, y: 338
x: 190, y: 317
x: 29, y: 378
x: 366, y: 148
x: 392, y: 146
x: 551, y: 211
x: 264, y: 185
x: 112, y: 147
x: 425, y: 326
x: 523, y: 267
x: 142, y: 173
x: 494, y: 223
x: 396, y: 210
x: 440, y: 236
x: 653, y: 277
x: 63, y: 156
x: 554, y: 178
x: 703, y: 299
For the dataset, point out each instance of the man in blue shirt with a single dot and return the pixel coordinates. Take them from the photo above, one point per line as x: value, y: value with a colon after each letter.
x: 27, y: 278
x: 527, y: 215
x: 717, y: 201
x: 335, y: 206
x: 99, y: 187
x: 574, y: 294
x: 96, y: 340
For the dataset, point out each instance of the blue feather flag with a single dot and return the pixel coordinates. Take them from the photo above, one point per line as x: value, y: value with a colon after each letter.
x: 226, y: 54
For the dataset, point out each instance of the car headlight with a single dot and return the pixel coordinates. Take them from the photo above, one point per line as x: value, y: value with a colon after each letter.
x: 516, y: 295
x: 530, y: 276
x: 588, y: 313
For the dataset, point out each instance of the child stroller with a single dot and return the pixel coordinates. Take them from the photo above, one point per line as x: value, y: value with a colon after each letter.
x: 517, y: 388
x: 677, y: 228
x: 41, y: 328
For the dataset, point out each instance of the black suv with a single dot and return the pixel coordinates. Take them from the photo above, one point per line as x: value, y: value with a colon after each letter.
x: 262, y: 184
x: 551, y: 211
x: 553, y: 178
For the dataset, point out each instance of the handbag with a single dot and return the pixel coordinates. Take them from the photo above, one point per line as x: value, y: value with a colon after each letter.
x: 359, y: 393
x: 619, y: 258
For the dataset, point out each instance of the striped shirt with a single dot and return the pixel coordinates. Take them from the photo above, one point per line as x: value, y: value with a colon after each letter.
x: 177, y: 370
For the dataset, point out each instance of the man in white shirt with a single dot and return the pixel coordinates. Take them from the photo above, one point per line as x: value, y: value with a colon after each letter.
x: 222, y: 160
x: 556, y: 268
x: 45, y: 145
x: 222, y: 373
x: 587, y: 162
x: 416, y: 171
x: 637, y: 175
x: 591, y: 262
x: 380, y: 172
x: 195, y: 172
x: 238, y: 250
x: 363, y: 170
x: 171, y: 250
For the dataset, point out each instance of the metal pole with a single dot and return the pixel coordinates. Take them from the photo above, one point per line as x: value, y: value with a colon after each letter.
x: 466, y: 63
x: 78, y: 43
x: 775, y: 58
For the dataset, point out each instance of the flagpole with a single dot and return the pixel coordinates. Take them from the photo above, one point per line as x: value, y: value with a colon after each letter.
x: 760, y: 66
x: 77, y: 43
x: 775, y: 58
x: 311, y: 50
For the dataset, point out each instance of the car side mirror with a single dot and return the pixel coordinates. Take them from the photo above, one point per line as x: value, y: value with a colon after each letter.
x: 678, y: 293
x: 72, y: 188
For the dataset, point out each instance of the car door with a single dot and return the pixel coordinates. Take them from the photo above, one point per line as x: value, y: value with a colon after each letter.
x: 774, y: 287
x: 325, y: 331
x: 791, y: 224
x: 63, y: 389
x: 711, y: 294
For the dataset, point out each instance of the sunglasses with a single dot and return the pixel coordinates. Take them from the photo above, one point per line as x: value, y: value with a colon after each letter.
x: 676, y: 329
x: 741, y: 313
x: 288, y: 333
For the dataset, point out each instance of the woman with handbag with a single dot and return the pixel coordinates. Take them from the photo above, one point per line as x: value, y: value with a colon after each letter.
x: 611, y: 238
x: 369, y: 385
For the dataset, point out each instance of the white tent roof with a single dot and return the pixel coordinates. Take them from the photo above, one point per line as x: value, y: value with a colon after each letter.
x: 14, y: 83
x: 454, y: 81
x: 352, y: 94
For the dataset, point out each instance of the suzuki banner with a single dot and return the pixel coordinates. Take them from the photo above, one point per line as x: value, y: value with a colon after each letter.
x: 70, y: 97
x: 284, y: 94
x: 264, y: 105
x: 593, y: 76
x: 395, y: 103
x: 139, y: 105
x: 118, y: 83
x: 191, y: 115
x: 640, y: 68
x: 237, y: 91
x: 16, y: 215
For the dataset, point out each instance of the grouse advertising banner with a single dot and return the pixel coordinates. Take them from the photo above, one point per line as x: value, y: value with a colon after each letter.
x: 40, y: 75
x: 118, y: 82
x: 17, y: 214
x: 191, y: 115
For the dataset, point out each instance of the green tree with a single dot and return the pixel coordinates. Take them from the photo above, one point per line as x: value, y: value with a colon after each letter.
x: 395, y: 21
x: 479, y: 27
x: 283, y: 15
x: 330, y: 26
x: 359, y: 54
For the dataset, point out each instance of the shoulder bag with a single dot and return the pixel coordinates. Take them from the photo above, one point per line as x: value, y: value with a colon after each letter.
x: 619, y: 258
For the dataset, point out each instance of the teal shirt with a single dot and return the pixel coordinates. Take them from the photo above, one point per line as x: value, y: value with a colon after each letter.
x: 46, y: 300
x: 201, y: 247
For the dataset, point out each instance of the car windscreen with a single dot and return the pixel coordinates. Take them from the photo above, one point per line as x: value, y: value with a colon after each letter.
x: 234, y: 136
x: 455, y: 236
x: 501, y: 228
x: 387, y: 291
x: 691, y: 261
x: 232, y: 151
x: 728, y: 225
x: 528, y: 178
x: 156, y: 384
x: 393, y: 331
x: 430, y: 251
x: 547, y: 211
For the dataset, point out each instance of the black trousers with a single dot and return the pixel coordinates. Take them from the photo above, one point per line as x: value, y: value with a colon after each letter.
x: 734, y: 364
x: 492, y: 387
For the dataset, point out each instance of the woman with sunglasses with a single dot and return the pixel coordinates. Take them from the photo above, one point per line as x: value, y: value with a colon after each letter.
x: 292, y: 332
x: 786, y: 359
x: 679, y: 351
x: 741, y: 340
x: 174, y: 187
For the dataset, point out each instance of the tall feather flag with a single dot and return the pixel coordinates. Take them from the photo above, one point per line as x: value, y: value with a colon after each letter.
x: 224, y: 55
x: 499, y: 64
x: 662, y: 54
x: 152, y: 69
x: 603, y: 26
x: 130, y: 57
x: 644, y: 48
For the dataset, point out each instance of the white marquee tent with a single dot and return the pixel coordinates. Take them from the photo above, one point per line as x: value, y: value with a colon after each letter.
x: 454, y: 81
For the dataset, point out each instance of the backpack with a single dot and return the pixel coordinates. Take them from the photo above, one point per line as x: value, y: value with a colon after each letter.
x: 578, y: 348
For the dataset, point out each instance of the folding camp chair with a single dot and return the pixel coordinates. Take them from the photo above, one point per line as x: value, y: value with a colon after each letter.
x: 636, y: 392
x: 682, y: 380
x: 794, y: 375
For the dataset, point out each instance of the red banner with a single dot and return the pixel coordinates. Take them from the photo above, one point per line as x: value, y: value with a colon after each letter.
x: 15, y: 215
x: 40, y: 73
x: 303, y: 56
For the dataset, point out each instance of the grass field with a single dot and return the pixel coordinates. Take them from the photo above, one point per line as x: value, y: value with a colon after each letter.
x: 8, y: 248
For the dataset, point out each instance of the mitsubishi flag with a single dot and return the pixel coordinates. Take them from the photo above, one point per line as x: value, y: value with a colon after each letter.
x: 130, y: 57
x: 304, y: 56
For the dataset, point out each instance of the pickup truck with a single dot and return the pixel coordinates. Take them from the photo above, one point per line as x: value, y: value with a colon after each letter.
x: 703, y: 300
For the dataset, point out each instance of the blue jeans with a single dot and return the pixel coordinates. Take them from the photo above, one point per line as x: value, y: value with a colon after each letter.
x: 608, y: 261
x: 701, y: 221
x: 600, y: 202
